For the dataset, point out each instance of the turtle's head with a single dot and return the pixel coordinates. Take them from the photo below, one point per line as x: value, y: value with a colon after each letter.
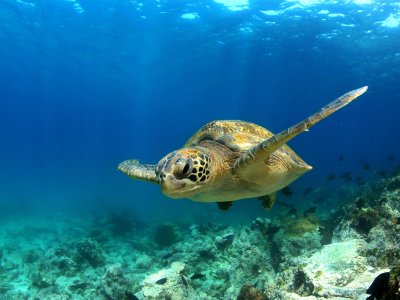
x: 182, y: 173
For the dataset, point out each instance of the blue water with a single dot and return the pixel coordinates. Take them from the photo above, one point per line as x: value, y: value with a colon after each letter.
x: 85, y: 85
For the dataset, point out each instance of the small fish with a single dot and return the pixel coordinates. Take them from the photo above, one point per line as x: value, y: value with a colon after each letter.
x: 366, y: 166
x: 345, y: 175
x: 310, y: 210
x: 284, y: 204
x: 185, y: 283
x: 292, y: 211
x: 360, y: 180
x: 330, y: 177
x: 228, y: 237
x: 319, y: 200
x: 161, y: 281
x: 130, y: 296
x: 287, y: 191
x: 341, y: 158
x: 198, y: 276
x: 391, y: 157
x: 382, y: 173
x: 167, y: 255
x: 360, y: 203
x: 307, y: 191
x: 379, y: 286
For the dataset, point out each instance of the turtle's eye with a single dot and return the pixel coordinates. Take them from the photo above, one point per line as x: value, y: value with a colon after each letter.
x: 186, y: 169
x: 182, y: 168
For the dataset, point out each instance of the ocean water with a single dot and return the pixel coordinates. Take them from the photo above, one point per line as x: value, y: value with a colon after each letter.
x: 86, y: 84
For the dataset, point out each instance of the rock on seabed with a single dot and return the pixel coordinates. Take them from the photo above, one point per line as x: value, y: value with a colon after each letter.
x: 340, y: 269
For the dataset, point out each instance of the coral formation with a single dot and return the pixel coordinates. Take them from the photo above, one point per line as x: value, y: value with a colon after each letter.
x: 166, y: 235
x: 114, y: 285
x: 335, y: 269
x: 88, y: 250
x: 249, y: 292
x: 286, y: 256
x: 299, y: 226
x: 394, y: 283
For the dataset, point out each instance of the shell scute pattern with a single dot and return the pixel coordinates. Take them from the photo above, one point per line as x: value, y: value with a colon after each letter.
x: 236, y: 135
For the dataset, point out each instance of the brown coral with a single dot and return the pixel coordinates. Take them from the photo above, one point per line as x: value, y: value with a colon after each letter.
x: 249, y: 292
x: 300, y: 226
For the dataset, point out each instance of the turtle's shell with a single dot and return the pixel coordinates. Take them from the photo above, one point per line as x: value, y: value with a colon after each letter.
x: 236, y: 135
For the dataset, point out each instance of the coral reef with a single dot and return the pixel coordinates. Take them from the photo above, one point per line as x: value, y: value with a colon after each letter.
x: 339, y: 269
x: 373, y: 216
x: 298, y: 226
x: 289, y: 255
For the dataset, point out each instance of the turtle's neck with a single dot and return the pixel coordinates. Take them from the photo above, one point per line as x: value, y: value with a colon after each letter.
x: 222, y: 159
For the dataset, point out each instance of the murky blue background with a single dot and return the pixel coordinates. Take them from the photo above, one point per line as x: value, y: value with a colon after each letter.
x: 85, y: 85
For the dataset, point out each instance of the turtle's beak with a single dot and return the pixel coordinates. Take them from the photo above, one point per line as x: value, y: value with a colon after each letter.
x: 170, y: 186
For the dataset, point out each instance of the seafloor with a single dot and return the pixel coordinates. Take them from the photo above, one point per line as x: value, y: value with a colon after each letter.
x: 297, y: 255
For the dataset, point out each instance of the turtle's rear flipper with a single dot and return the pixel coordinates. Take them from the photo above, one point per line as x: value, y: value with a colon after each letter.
x: 261, y: 152
x: 135, y: 170
x: 268, y: 201
x: 224, y: 205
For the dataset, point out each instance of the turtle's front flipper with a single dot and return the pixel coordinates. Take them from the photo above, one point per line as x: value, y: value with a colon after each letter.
x: 135, y: 170
x: 265, y: 148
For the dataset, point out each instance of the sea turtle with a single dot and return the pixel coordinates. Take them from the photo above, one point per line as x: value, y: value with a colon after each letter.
x: 226, y: 161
